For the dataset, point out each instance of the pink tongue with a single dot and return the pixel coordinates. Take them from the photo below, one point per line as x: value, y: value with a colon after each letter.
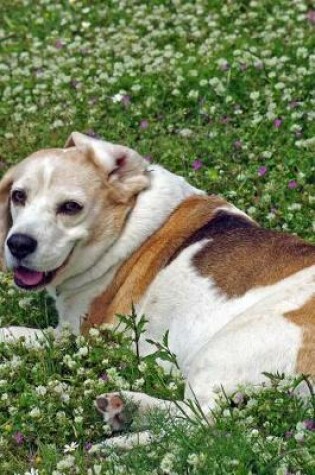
x: 28, y: 277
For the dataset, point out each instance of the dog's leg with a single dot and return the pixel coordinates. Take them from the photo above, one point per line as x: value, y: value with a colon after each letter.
x: 30, y: 336
x: 126, y: 441
x: 117, y: 410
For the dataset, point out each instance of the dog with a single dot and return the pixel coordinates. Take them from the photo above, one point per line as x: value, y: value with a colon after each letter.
x: 102, y: 229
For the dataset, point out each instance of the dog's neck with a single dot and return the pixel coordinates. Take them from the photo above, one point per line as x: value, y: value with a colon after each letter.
x: 151, y: 210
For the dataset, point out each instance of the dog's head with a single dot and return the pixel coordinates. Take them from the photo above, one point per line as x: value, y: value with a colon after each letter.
x: 57, y: 203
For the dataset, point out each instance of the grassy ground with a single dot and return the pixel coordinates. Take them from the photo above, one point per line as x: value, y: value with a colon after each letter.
x: 221, y: 92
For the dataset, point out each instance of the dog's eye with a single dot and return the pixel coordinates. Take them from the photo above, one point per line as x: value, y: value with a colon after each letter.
x: 69, y: 207
x: 18, y: 197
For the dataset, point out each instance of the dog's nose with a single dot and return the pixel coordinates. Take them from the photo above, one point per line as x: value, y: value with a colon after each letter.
x: 21, y: 245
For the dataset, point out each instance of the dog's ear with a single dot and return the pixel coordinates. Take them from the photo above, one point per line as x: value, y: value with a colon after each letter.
x: 5, y: 214
x: 125, y: 168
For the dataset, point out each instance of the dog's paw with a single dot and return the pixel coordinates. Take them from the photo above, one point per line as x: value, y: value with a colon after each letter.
x: 123, y: 442
x: 115, y: 410
x: 30, y: 337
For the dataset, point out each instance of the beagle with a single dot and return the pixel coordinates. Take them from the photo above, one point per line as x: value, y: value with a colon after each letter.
x: 103, y: 230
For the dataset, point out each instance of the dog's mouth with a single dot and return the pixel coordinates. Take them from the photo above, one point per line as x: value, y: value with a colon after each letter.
x: 30, y: 279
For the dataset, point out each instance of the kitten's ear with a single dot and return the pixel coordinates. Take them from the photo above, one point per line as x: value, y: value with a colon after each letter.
x: 5, y: 214
x: 125, y: 168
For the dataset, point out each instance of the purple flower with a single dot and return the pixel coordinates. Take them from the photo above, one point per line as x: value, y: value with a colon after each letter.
x: 104, y: 377
x: 126, y: 99
x: 259, y: 65
x: 239, y: 399
x: 19, y: 438
x: 288, y: 434
x: 197, y: 164
x: 225, y: 119
x: 309, y: 424
x: 277, y: 123
x: 262, y: 171
x: 88, y: 446
x: 144, y: 124
x: 237, y: 144
x: 59, y: 44
x: 292, y: 184
x: 311, y: 16
x: 225, y: 67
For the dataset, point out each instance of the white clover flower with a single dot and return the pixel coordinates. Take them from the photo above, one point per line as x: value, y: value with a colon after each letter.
x: 117, y: 97
x: 136, y: 88
x: 57, y: 123
x: 185, y: 133
x: 167, y: 463
x: 68, y: 361
x: 41, y: 390
x: 300, y: 426
x: 172, y: 386
x: 68, y: 448
x: 35, y: 412
x: 254, y: 95
x: 80, y: 340
x: 142, y: 366
x: 279, y: 86
x: 97, y: 469
x: 107, y: 326
x: 203, y: 82
x: 83, y: 351
x: 106, y: 428
x: 195, y: 460
x: 33, y: 471
x: 299, y: 436
x: 60, y: 415
x: 251, y: 210
x: 66, y: 462
x: 193, y: 94
x: 138, y: 384
x: 283, y: 470
x: 295, y: 207
x: 94, y: 332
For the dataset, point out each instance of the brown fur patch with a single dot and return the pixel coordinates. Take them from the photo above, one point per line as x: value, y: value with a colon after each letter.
x: 241, y: 257
x: 137, y: 273
x: 305, y: 318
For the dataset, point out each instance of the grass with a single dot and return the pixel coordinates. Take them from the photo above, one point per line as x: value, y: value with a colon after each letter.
x: 220, y: 92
